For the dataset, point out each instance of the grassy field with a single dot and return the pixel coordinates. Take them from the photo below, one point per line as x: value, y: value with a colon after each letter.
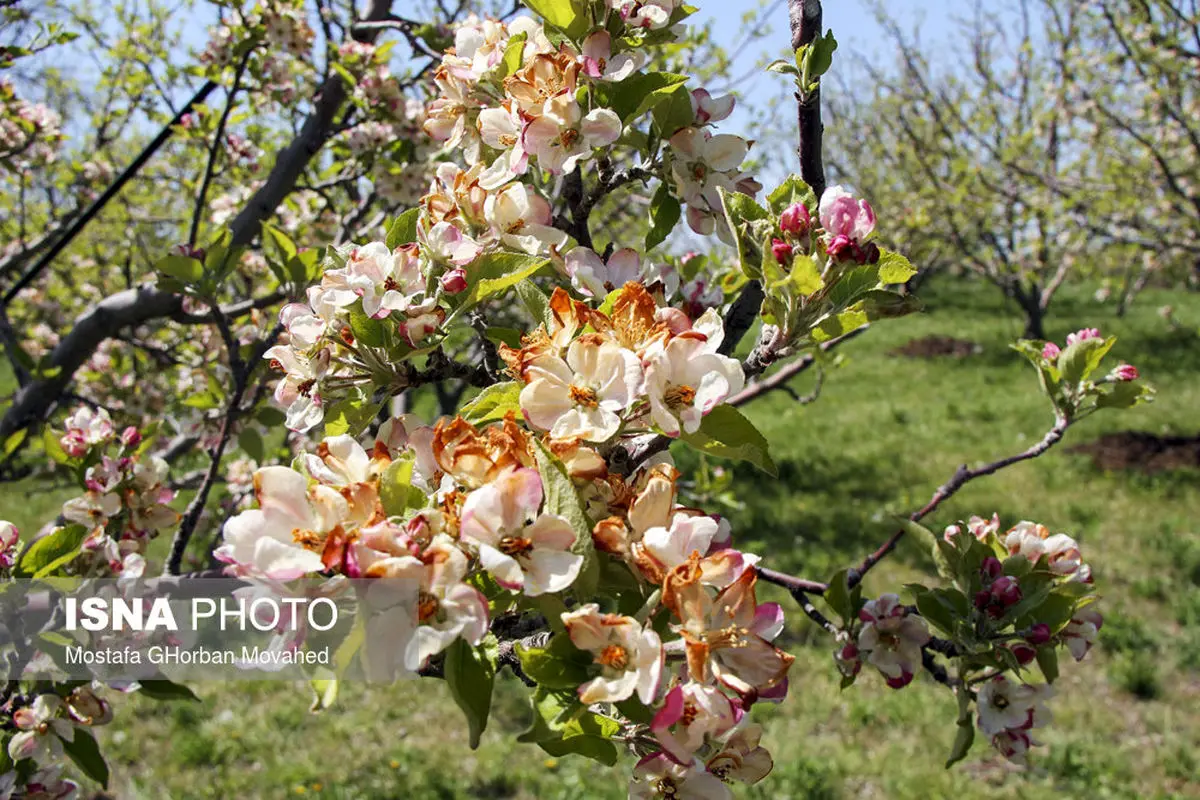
x: 885, y: 433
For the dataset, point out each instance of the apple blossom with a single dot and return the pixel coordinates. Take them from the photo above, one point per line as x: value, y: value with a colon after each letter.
x: 688, y: 378
x: 286, y: 536
x: 891, y: 639
x: 795, y: 220
x: 1125, y: 372
x: 563, y: 134
x: 690, y: 713
x: 1082, y: 335
x: 741, y: 758
x: 584, y: 395
x: 299, y: 390
x: 534, y: 557
x: 658, y: 776
x: 592, y: 276
x: 9, y: 536
x: 630, y: 656
x: 708, y: 109
x: 1082, y: 632
x: 1008, y: 710
x: 42, y: 727
x: 385, y: 280
x: 1035, y: 541
x: 85, y: 429
x: 1050, y: 351
x: 598, y: 60
x: 523, y: 220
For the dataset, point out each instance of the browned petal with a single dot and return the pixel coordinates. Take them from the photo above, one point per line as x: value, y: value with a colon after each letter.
x: 334, y: 553
x: 582, y: 462
x: 737, y: 600
x: 684, y: 594
x: 611, y: 536
x: 697, y: 659
x: 633, y: 317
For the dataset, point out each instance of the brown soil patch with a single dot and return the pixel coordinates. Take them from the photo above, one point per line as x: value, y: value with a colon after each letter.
x: 1143, y: 451
x: 938, y: 347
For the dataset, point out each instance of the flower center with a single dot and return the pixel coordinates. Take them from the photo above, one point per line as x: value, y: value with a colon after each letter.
x: 667, y: 788
x: 1000, y: 702
x: 275, y: 365
x: 569, y: 137
x: 309, y: 540
x: 583, y: 396
x: 689, y: 714
x: 389, y: 284
x: 614, y: 656
x: 730, y: 636
x: 515, y: 546
x: 427, y: 606
x: 305, y: 387
x: 679, y: 396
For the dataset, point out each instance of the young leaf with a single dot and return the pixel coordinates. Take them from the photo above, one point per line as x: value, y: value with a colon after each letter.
x: 184, y: 269
x: 86, y: 754
x: 493, y: 403
x: 563, y: 499
x: 569, y: 16
x: 641, y: 92
x: 396, y: 492
x: 894, y: 268
x: 725, y: 433
x: 674, y: 112
x: 535, y: 302
x: 1081, y: 359
x: 494, y: 273
x: 403, y: 229
x: 166, y: 690
x: 50, y: 552
x: 471, y: 676
x: 664, y: 216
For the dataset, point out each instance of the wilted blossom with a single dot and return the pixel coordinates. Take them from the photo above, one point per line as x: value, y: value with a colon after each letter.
x: 1034, y: 541
x: 630, y: 656
x: 658, y: 776
x: 690, y: 713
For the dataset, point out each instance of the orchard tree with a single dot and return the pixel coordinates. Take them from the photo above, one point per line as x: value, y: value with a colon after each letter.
x: 544, y: 522
x: 976, y: 158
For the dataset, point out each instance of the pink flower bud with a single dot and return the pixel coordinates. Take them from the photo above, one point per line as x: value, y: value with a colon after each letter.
x: 1038, y: 634
x: 1083, y: 334
x: 899, y: 683
x: 454, y: 281
x: 1126, y: 372
x: 840, y: 247
x: 991, y: 568
x: 1005, y: 591
x: 849, y: 652
x: 1050, y: 351
x: 795, y: 219
x: 1023, y: 652
x: 130, y: 437
x: 983, y: 598
x: 782, y: 251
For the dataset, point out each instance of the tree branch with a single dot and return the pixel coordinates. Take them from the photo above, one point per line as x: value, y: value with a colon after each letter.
x: 805, y: 19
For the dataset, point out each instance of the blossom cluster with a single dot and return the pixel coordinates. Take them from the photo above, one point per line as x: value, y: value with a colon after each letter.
x: 277, y: 33
x: 641, y: 366
x: 29, y: 132
x: 509, y: 97
x: 125, y: 502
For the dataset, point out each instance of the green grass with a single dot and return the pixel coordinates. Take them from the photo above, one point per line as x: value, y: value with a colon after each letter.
x: 886, y: 432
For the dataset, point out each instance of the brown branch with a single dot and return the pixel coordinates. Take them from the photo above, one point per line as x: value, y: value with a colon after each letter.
x: 137, y: 306
x: 780, y: 379
x: 961, y: 477
x: 805, y: 19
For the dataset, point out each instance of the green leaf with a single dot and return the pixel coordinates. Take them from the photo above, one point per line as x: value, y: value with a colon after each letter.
x: 1125, y: 394
x: 962, y: 742
x: 1081, y: 359
x: 882, y: 304
x: 664, y: 216
x: 792, y: 190
x: 367, y: 330
x: 471, y: 676
x: 725, y: 433
x: 894, y: 268
x: 513, y: 53
x: 325, y: 692
x: 493, y: 403
x: 494, y: 273
x: 403, y: 229
x: 185, y: 269
x: 641, y: 92
x: 819, y: 55
x: 750, y: 224
x: 1047, y: 660
x: 86, y: 754
x: 280, y: 240
x: 674, y: 111
x: 351, y: 414
x: 804, y: 275
x: 562, y: 498
x: 569, y: 16
x: 535, y: 302
x: 166, y: 690
x: 593, y: 747
x: 52, y: 551
x: 53, y: 447
x: 251, y: 443
x: 838, y: 596
x: 560, y: 665
x: 396, y: 492
x: 14, y: 441
x: 562, y: 726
